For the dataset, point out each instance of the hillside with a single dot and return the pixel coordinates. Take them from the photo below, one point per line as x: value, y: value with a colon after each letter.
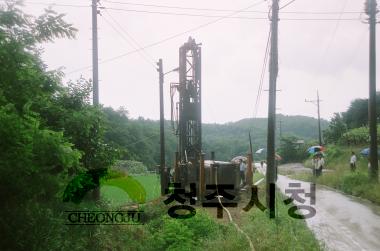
x: 231, y: 139
x: 141, y: 137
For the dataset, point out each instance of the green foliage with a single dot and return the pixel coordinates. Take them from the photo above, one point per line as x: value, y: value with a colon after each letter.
x: 342, y: 178
x: 337, y: 127
x: 80, y: 185
x: 49, y: 133
x: 333, y: 151
x: 358, y: 136
x: 231, y: 139
x: 174, y: 236
x: 352, y: 180
x: 292, y: 152
x: 357, y: 114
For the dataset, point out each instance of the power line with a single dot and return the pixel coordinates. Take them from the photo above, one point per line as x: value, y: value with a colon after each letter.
x: 289, y: 3
x: 333, y: 35
x: 135, y: 44
x: 49, y: 4
x: 262, y: 76
x: 168, y: 38
x: 212, y: 16
x: 199, y: 9
x: 182, y: 14
x: 231, y: 17
x: 222, y: 10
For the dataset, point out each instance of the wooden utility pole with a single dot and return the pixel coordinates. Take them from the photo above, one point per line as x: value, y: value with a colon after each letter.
x: 95, y: 67
x: 317, y: 102
x: 319, y: 121
x: 273, y: 71
x: 371, y: 10
x: 163, y: 170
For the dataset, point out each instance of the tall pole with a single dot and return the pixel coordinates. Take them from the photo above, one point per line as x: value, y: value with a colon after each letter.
x: 371, y: 10
x: 163, y: 170
x: 317, y: 103
x: 319, y: 121
x: 95, y: 73
x: 273, y: 71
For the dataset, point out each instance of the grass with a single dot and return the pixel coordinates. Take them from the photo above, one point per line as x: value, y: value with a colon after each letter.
x: 283, y: 233
x: 342, y: 178
x: 257, y: 176
x: 204, y: 231
x: 122, y: 190
x: 151, y: 183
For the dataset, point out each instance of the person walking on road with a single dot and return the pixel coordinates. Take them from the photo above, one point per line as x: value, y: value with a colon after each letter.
x: 353, y: 162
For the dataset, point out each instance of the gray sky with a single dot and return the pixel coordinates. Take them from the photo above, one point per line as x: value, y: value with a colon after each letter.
x: 329, y: 55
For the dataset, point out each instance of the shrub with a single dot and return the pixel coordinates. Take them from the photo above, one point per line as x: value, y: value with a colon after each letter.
x: 353, y: 180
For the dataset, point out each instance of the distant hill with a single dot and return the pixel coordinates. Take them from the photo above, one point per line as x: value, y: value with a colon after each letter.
x: 140, y: 140
x: 231, y: 139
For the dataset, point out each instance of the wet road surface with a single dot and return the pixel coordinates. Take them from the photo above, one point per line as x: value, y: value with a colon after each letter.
x: 341, y: 222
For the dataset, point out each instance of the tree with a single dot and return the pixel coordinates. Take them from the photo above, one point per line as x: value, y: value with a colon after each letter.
x: 357, y: 114
x: 290, y: 151
x: 336, y: 129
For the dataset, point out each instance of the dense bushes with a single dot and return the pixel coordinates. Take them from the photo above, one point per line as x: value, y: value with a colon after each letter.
x: 358, y: 136
x: 290, y: 151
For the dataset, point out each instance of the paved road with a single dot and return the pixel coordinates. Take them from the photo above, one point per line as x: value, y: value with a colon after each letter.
x: 341, y: 222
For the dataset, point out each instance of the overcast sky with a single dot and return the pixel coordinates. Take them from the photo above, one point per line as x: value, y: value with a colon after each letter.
x: 330, y: 55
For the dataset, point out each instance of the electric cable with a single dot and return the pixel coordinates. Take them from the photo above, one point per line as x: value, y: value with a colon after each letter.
x: 139, y: 49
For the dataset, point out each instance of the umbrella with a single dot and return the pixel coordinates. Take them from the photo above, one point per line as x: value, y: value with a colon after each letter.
x: 237, y: 158
x: 319, y: 154
x: 366, y: 151
x: 315, y: 149
x: 261, y: 150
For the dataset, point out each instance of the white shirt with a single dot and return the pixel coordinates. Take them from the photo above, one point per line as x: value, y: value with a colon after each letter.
x: 243, y: 166
x: 353, y: 159
x: 321, y: 162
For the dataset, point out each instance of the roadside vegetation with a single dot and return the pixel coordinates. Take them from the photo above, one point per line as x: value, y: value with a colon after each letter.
x: 339, y: 175
x: 53, y: 139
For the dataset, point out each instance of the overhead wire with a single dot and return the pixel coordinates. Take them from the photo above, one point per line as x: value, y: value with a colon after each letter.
x: 167, y: 39
x: 287, y: 4
x: 124, y: 34
x: 190, y: 8
x: 48, y: 4
x: 230, y: 17
x: 218, y: 10
x: 262, y: 76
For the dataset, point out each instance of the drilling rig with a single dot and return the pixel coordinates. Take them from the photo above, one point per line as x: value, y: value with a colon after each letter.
x: 186, y: 117
x: 186, y: 114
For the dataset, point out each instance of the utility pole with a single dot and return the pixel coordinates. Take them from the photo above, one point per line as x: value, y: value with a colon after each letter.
x: 371, y: 11
x: 273, y: 71
x: 163, y: 170
x: 280, y: 127
x: 316, y: 102
x: 95, y: 67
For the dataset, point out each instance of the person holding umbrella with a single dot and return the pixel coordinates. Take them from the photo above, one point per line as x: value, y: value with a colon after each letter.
x: 321, y: 164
